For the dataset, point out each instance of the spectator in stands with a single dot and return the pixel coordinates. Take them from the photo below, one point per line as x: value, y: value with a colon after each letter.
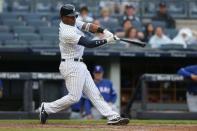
x: 132, y: 33
x: 163, y: 15
x: 190, y: 72
x: 149, y: 32
x: 77, y: 109
x: 183, y: 37
x: 107, y: 91
x: 130, y: 13
x: 159, y: 38
x: 126, y: 25
x: 107, y: 21
x: 140, y: 35
x: 1, y: 89
x: 84, y: 15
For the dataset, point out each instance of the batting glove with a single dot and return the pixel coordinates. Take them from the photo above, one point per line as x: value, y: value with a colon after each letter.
x: 107, y: 33
x: 112, y: 39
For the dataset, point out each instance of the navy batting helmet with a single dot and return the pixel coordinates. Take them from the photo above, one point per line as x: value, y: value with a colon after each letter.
x: 68, y: 10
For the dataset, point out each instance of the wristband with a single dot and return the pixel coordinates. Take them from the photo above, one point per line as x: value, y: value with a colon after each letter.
x: 100, y: 30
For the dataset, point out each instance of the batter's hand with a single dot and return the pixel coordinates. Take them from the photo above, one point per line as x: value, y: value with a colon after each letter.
x: 112, y: 39
x: 107, y: 33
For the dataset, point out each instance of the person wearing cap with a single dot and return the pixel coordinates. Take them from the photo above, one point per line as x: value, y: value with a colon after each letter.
x: 77, y: 78
x: 190, y: 72
x: 130, y: 14
x: 84, y: 15
x: 163, y: 15
x: 106, y: 89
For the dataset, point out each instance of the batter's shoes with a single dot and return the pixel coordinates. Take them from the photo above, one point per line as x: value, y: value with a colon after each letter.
x: 43, y: 115
x: 118, y: 121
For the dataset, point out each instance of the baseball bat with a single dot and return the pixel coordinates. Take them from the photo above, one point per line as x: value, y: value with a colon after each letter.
x: 134, y: 42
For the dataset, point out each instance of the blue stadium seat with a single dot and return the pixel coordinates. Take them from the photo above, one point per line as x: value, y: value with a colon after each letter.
x: 55, y: 23
x: 171, y: 32
x: 15, y: 43
x: 6, y: 36
x: 12, y: 22
x: 172, y: 46
x: 43, y: 6
x: 4, y: 28
x: 29, y: 36
x: 45, y: 30
x: 8, y: 16
x: 193, y: 9
x: 32, y: 16
x: 159, y: 23
x: 37, y: 23
x: 23, y: 29
x: 192, y: 47
x: 21, y: 6
x: 178, y: 9
x: 50, y: 37
x: 111, y: 25
x: 41, y: 43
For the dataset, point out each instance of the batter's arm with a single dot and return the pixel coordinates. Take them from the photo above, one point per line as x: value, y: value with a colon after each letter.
x: 92, y: 28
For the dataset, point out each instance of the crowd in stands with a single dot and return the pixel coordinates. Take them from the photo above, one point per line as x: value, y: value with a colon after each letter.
x: 161, y: 30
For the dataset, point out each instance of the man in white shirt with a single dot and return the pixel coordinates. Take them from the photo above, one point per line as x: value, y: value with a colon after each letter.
x: 159, y: 38
x: 77, y: 77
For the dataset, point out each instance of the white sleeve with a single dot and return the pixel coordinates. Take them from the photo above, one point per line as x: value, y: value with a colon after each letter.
x: 79, y: 24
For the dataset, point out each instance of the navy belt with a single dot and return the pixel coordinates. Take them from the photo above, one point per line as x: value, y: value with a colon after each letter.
x: 75, y: 59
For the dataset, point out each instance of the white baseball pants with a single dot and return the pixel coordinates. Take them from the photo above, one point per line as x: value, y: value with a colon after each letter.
x: 78, y: 80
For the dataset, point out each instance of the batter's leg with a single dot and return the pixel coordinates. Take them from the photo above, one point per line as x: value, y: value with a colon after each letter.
x: 92, y: 92
x: 74, y: 85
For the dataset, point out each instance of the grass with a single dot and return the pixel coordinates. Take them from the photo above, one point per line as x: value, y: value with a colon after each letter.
x: 99, y: 122
x: 33, y: 125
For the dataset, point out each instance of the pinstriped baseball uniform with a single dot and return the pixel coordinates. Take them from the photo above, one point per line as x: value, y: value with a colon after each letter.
x: 77, y: 78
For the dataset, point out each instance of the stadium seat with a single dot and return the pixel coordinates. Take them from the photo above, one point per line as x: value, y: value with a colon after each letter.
x: 43, y: 6
x: 178, y: 9
x: 6, y: 36
x: 13, y: 22
x: 45, y: 30
x: 41, y: 43
x: 15, y: 43
x: 55, y: 23
x: 171, y: 32
x: 111, y: 25
x: 193, y: 9
x: 50, y: 37
x: 28, y: 36
x: 8, y: 16
x: 192, y: 47
x: 172, y: 46
x: 23, y: 29
x: 32, y: 16
x: 21, y: 6
x: 4, y: 28
x: 37, y: 23
x: 159, y: 23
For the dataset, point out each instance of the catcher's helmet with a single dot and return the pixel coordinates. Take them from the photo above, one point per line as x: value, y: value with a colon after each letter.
x: 68, y: 10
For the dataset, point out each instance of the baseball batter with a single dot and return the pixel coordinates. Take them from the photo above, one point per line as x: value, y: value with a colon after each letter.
x: 77, y: 78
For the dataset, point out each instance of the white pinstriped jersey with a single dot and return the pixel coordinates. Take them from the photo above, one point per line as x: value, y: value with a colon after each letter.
x: 69, y: 37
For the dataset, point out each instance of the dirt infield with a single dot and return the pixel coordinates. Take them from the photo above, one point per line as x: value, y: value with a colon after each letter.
x: 55, y: 126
